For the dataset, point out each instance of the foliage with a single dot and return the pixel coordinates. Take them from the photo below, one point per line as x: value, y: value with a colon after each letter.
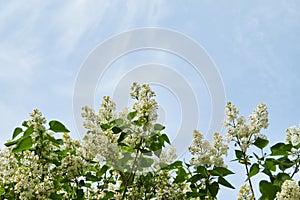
x: 280, y: 166
x: 127, y: 155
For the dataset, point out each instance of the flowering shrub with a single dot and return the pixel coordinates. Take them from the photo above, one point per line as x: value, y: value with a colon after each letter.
x: 127, y: 155
x: 280, y: 166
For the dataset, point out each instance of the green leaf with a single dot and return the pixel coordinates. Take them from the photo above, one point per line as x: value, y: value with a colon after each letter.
x: 138, y: 122
x: 55, y: 142
x: 105, y: 126
x: 280, y: 178
x: 161, y: 140
x: 80, y: 194
x: 145, y: 162
x: 124, y: 161
x: 220, y: 171
x: 261, y: 143
x: 213, y: 189
x: 177, y: 163
x: 116, y: 130
x: 23, y: 144
x: 28, y: 131
x: 268, y: 190
x: 1, y: 190
x: 238, y: 154
x: 174, y: 165
x: 26, y: 134
x: 224, y: 182
x: 10, y: 143
x: 194, y: 194
x: 25, y: 124
x: 203, y: 171
x: 157, y: 152
x: 103, y: 170
x: 55, y: 196
x: 270, y: 164
x: 131, y: 115
x: 281, y: 149
x: 59, y: 141
x: 195, y: 178
x: 155, y: 146
x: 253, y: 170
x: 90, y: 177
x: 268, y: 172
x: 257, y: 157
x: 146, y: 152
x: 81, y: 183
x: 57, y: 127
x: 17, y: 131
x: 285, y: 163
x: 127, y: 149
x: 158, y: 127
x: 122, y: 137
x: 166, y: 138
x: 109, y: 195
x: 181, y: 174
x: 118, y: 121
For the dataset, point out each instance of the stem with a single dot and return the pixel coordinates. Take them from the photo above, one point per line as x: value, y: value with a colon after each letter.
x: 132, y: 172
x: 296, y: 168
x: 249, y: 179
x: 245, y: 161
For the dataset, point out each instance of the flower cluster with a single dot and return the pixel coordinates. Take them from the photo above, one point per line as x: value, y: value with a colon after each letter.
x: 167, y: 156
x: 130, y: 128
x: 34, y: 161
x: 245, y: 193
x: 289, y: 191
x: 169, y: 190
x: 240, y: 132
x: 27, y: 171
x: 37, y: 120
x: 8, y: 166
x: 146, y: 106
x: 99, y: 143
x: 293, y: 135
x: 293, y: 138
x: 29, y: 178
x: 205, y: 154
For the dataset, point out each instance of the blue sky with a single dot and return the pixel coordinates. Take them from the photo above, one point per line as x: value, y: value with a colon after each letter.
x: 255, y: 47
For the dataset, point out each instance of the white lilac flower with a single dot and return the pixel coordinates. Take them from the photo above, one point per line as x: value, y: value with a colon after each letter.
x: 245, y: 193
x: 101, y: 145
x: 69, y: 143
x: 293, y: 135
x: 8, y: 165
x: 106, y: 113
x: 205, y: 154
x: 237, y: 130
x: 259, y: 118
x: 167, y: 155
x: 27, y: 178
x: 289, y: 191
x: 107, y: 110
x: 221, y: 149
x: 168, y: 190
x: 231, y: 112
x: 71, y: 165
x: 98, y: 148
x: 37, y: 120
x: 145, y: 106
